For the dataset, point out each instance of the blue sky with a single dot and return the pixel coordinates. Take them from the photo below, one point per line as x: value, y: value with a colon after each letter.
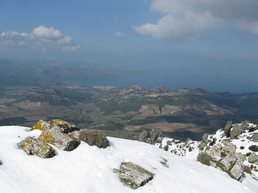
x: 211, y: 44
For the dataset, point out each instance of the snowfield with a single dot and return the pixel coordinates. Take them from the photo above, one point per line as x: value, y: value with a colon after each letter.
x: 88, y: 169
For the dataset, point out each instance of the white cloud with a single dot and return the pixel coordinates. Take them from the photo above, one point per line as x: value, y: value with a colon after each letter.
x: 64, y: 40
x: 71, y: 48
x: 45, y: 32
x: 41, y: 37
x: 120, y: 34
x: 185, y: 18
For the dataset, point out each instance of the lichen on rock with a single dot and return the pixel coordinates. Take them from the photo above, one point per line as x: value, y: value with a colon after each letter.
x: 63, y: 126
x: 33, y: 146
x: 55, y: 137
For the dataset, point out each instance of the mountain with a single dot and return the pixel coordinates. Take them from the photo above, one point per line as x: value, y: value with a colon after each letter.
x: 125, y: 112
x: 91, y: 169
x: 44, y: 73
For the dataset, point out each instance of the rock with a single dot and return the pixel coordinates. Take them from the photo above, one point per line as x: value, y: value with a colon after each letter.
x: 237, y: 170
x: 228, y: 127
x: 33, y: 146
x: 244, y: 125
x: 1, y: 162
x: 229, y: 147
x: 253, y: 158
x: 91, y: 137
x: 237, y: 130
x: 151, y: 136
x: 247, y: 169
x: 204, y: 158
x: 255, y: 137
x: 227, y: 163
x: 55, y: 137
x: 59, y: 124
x: 215, y: 151
x: 133, y: 175
x: 233, y: 166
x: 205, y: 138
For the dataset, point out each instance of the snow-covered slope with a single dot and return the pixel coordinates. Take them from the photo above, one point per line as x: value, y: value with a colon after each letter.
x: 88, y: 169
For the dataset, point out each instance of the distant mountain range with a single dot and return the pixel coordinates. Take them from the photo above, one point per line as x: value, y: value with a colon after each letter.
x: 124, y: 112
x: 45, y: 73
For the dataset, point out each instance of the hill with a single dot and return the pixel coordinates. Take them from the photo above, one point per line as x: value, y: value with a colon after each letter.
x: 125, y: 112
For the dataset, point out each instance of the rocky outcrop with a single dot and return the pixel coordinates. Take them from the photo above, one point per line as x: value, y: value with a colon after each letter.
x: 58, y: 124
x: 236, y: 131
x: 33, y: 146
x: 133, y: 175
x: 150, y: 136
x: 91, y: 137
x: 224, y: 157
x: 55, y: 137
x: 178, y: 147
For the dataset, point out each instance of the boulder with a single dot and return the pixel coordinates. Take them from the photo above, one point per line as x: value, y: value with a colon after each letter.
x: 55, y: 137
x: 204, y: 158
x: 91, y: 137
x: 255, y: 137
x: 33, y: 146
x: 133, y: 175
x: 59, y: 124
x: 237, y: 130
x: 232, y: 165
x: 228, y: 127
x: 237, y: 171
x: 150, y: 136
x: 253, y: 158
x: 229, y: 147
x: 205, y: 138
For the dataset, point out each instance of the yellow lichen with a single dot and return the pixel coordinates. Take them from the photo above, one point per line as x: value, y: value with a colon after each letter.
x: 46, y: 137
x: 40, y: 125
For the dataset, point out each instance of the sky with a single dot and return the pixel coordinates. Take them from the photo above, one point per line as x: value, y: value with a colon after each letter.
x: 211, y: 44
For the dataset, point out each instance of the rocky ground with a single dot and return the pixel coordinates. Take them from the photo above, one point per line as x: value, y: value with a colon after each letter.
x: 232, y: 149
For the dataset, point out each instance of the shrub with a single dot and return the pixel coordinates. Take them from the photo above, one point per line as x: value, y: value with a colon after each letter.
x: 253, y: 148
x: 242, y: 147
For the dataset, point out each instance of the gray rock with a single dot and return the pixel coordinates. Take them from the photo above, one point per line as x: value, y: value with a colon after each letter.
x: 255, y: 137
x: 133, y: 175
x: 233, y: 166
x: 253, y: 158
x: 1, y: 162
x: 237, y: 130
x: 227, y: 163
x: 151, y: 136
x: 237, y: 170
x: 228, y: 127
x: 55, y: 137
x: 58, y: 124
x: 91, y: 137
x: 204, y: 158
x: 33, y: 146
x: 205, y: 138
x: 244, y: 125
x: 229, y: 147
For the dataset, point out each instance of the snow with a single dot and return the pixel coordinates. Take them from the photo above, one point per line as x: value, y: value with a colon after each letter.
x: 88, y: 169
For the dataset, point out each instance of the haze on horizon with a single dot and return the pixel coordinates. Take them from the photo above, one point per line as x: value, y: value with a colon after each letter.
x: 193, y: 43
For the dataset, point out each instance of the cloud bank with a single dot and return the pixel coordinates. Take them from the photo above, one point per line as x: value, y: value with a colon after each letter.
x: 41, y: 37
x: 184, y: 19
